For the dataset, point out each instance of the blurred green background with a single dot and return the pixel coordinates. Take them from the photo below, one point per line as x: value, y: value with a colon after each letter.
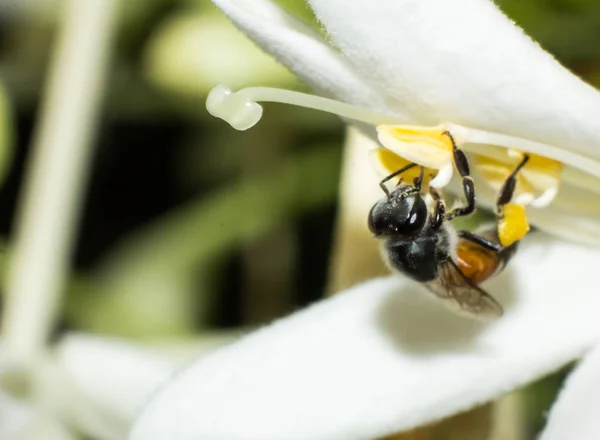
x: 189, y: 226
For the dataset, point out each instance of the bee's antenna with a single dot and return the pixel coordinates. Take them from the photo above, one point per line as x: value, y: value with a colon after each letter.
x: 394, y: 174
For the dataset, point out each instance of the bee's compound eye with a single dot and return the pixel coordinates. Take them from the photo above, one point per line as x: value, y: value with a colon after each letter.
x: 400, y: 216
x: 416, y: 217
x: 376, y: 222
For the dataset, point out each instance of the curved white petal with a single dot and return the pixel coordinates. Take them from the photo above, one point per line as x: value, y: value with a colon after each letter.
x: 575, y: 413
x: 301, y: 49
x: 463, y: 61
x: 384, y: 356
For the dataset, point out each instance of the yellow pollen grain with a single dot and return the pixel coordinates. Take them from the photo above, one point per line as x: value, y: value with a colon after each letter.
x: 513, y: 225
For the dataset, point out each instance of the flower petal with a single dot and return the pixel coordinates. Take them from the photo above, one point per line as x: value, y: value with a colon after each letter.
x: 584, y: 229
x: 299, y: 48
x: 384, y: 357
x: 463, y: 61
x: 575, y: 413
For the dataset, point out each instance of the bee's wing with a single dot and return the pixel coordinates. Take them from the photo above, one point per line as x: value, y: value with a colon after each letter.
x: 462, y: 295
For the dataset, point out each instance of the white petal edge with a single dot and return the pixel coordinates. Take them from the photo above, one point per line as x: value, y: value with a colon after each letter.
x: 463, y: 61
x: 575, y: 413
x: 300, y: 49
x: 384, y: 357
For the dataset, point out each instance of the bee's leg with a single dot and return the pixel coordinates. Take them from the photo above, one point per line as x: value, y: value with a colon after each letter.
x: 462, y: 165
x: 418, y: 182
x: 508, y: 188
x: 394, y: 174
x: 439, y: 212
x: 483, y: 242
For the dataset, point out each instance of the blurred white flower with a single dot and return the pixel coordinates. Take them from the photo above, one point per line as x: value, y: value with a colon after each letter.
x: 14, y: 415
x: 382, y: 357
x: 88, y: 384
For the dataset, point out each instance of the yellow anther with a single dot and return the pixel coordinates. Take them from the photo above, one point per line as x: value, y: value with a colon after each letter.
x: 543, y: 173
x: 427, y: 146
x: 388, y: 162
x: 495, y: 173
x: 513, y: 225
x: 540, y: 176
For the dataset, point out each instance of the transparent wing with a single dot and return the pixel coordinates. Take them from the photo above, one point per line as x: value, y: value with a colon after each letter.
x: 462, y: 295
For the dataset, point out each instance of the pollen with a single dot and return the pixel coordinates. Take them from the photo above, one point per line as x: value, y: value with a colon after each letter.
x: 513, y: 224
x: 426, y: 146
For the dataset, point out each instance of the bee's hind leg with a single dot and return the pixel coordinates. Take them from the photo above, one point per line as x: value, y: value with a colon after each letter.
x: 508, y: 188
x: 481, y: 241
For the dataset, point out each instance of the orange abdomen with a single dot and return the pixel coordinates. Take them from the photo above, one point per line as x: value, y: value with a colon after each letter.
x: 476, y: 262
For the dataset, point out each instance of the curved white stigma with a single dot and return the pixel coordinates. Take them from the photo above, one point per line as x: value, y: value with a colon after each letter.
x: 241, y: 111
x: 233, y: 108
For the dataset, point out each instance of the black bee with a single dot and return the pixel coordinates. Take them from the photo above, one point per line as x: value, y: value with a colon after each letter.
x: 419, y: 242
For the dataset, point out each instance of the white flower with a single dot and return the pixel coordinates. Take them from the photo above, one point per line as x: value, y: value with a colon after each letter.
x: 408, y: 62
x: 382, y: 357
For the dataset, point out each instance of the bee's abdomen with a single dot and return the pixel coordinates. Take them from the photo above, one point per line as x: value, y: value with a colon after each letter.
x: 476, y: 262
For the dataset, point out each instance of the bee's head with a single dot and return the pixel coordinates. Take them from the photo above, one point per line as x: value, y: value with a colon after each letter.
x: 404, y: 212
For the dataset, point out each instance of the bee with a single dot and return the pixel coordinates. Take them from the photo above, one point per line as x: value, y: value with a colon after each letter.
x: 418, y: 240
